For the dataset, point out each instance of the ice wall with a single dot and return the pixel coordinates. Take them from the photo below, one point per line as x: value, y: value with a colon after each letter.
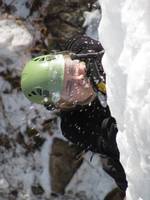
x: 124, y: 32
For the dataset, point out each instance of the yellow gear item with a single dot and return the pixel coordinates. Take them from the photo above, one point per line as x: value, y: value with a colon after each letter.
x: 102, y: 87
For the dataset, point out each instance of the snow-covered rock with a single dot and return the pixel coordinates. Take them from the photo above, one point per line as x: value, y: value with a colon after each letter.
x: 15, y: 39
x: 24, y: 165
x: 91, y: 180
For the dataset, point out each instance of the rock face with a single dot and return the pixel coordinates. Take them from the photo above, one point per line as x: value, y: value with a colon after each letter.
x: 28, y: 29
x: 65, y: 18
x: 54, y: 21
x: 63, y: 164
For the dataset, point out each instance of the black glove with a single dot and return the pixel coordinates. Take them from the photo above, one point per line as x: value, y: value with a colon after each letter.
x: 109, y: 130
x: 107, y: 139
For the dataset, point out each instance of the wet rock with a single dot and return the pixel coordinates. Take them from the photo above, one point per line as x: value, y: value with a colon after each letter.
x: 5, y: 141
x: 90, y: 173
x: 37, y: 189
x: 32, y: 141
x: 65, y: 19
x: 63, y: 164
x: 13, y: 195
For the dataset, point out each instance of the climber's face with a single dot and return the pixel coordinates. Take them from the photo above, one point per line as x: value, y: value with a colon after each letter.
x: 77, y: 88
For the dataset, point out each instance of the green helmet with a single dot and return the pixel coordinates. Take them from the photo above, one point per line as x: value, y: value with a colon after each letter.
x: 42, y: 78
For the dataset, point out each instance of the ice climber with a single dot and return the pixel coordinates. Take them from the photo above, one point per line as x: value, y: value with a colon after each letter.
x: 73, y: 83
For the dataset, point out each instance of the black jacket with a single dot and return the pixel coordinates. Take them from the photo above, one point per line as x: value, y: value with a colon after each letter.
x: 91, y: 126
x: 82, y: 125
